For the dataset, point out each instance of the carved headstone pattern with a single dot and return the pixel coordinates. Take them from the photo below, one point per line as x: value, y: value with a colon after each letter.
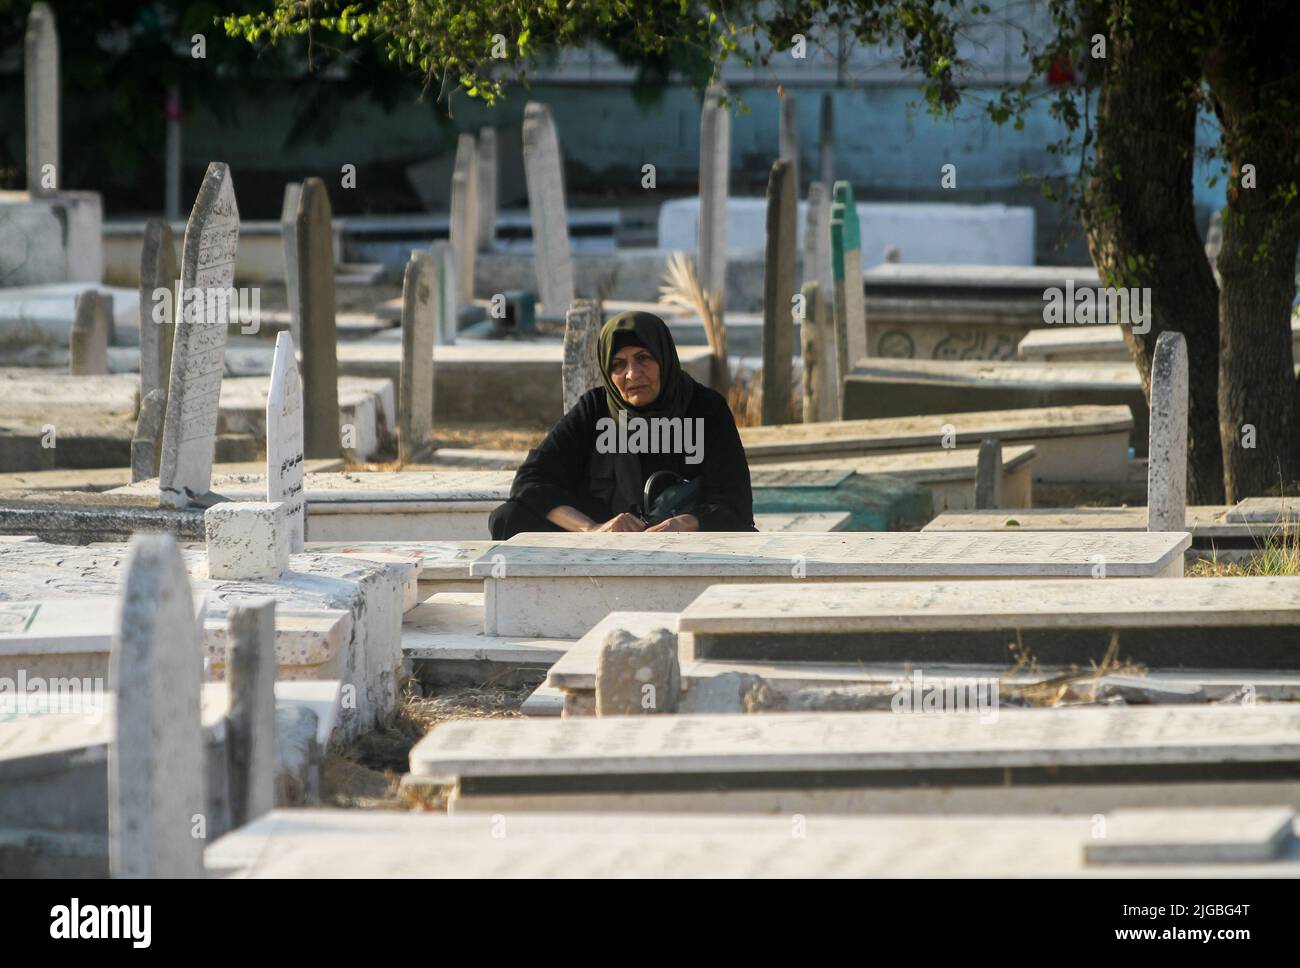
x: 544, y: 173
x: 284, y: 441
x: 315, y: 281
x: 158, y: 270
x: 415, y: 391
x: 778, y: 295
x: 41, y: 88
x: 199, y: 352
x: 156, y: 762
x: 715, y: 167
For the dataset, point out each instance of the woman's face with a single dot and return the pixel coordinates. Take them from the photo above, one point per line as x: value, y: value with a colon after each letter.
x: 635, y: 374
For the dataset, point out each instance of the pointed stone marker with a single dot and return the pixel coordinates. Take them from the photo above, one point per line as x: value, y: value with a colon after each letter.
x: 715, y: 167
x: 89, y: 339
x: 289, y: 236
x: 199, y: 351
x: 156, y: 762
x: 464, y: 214
x: 319, y: 340
x: 544, y: 173
x: 1167, y: 453
x: 284, y: 441
x: 778, y: 295
x: 988, y: 476
x: 41, y: 90
x: 789, y: 136
x: 580, y: 370
x: 415, y: 390
x: 487, y: 189
x: 250, y: 724
x: 158, y: 271
x: 146, y: 445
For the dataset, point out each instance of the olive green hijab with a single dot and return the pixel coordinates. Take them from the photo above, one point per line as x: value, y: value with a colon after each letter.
x: 617, y: 477
x: 648, y: 330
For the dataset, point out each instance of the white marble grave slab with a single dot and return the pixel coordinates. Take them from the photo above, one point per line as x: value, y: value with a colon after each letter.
x: 1228, y: 835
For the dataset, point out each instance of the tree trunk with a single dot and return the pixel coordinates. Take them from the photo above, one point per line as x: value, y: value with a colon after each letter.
x: 1252, y: 74
x: 1138, y: 206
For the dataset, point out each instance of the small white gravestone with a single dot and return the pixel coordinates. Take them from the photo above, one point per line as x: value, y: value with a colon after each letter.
x: 284, y: 445
x: 544, y: 173
x: 715, y: 166
x: 199, y: 351
x: 246, y: 540
x: 1167, y: 463
x: 157, y: 766
x: 446, y: 297
x: 289, y: 236
x: 89, y: 339
x: 250, y: 737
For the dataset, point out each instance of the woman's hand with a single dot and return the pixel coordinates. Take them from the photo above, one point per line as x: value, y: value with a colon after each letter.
x: 623, y: 522
x: 681, y: 522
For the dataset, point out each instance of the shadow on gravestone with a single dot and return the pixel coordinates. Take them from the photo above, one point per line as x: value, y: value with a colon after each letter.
x: 199, y: 351
x: 156, y: 760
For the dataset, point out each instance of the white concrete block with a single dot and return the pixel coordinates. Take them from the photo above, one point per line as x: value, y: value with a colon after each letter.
x: 247, y: 539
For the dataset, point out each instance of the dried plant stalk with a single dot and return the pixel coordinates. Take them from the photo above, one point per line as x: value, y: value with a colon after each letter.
x: 681, y: 287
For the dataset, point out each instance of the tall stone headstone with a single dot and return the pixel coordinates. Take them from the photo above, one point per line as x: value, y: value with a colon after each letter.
x: 487, y: 189
x: 289, y: 236
x: 158, y: 271
x: 839, y: 306
x: 415, y: 385
x: 284, y: 441
x: 199, y: 351
x: 778, y: 294
x: 789, y: 135
x: 318, y: 340
x: 146, y: 444
x: 813, y: 353
x: 156, y: 760
x: 988, y: 476
x: 41, y: 88
x: 544, y: 173
x: 854, y: 299
x: 89, y: 339
x: 581, y: 370
x: 250, y: 724
x: 817, y: 269
x: 826, y: 142
x: 445, y: 294
x: 1167, y: 453
x: 715, y: 167
x: 464, y: 214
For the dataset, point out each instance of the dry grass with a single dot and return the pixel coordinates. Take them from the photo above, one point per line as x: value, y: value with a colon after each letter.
x: 1278, y: 555
x: 366, y: 774
x: 1064, y: 689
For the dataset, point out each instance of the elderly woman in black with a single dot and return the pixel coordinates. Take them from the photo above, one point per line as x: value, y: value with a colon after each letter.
x: 590, y: 472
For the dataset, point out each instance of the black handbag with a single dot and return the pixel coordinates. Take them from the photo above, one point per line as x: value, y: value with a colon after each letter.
x: 668, y: 494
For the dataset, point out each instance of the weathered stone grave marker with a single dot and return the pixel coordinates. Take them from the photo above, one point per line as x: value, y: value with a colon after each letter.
x: 581, y: 369
x: 846, y: 258
x: 788, y: 135
x: 464, y: 214
x: 1167, y: 454
x: 289, y: 236
x: 157, y: 795
x: 146, y: 445
x: 284, y: 441
x: 446, y: 297
x: 91, y: 334
x: 41, y: 90
x: 487, y: 189
x: 778, y: 294
x: 715, y: 167
x: 251, y: 738
x: 319, y: 339
x: 158, y: 270
x: 198, y: 355
x: 415, y: 387
x: 988, y: 476
x: 544, y: 173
